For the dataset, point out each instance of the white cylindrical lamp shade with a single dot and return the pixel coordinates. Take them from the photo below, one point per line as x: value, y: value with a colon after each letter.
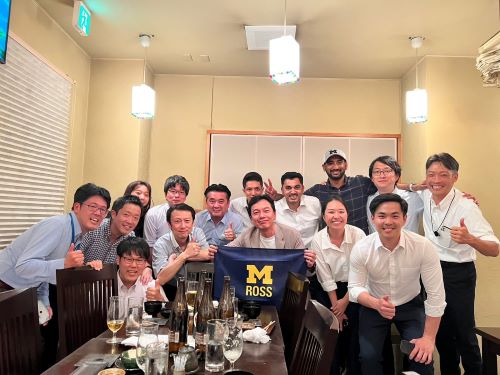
x: 416, y: 106
x: 284, y: 60
x: 143, y: 101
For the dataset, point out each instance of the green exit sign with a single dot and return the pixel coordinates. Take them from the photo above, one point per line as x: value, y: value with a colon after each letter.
x: 81, y: 18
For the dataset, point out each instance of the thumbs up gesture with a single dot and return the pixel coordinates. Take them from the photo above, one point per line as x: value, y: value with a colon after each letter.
x: 74, y: 258
x: 461, y: 234
x: 229, y: 232
x: 192, y: 249
x: 386, y: 308
x: 153, y: 293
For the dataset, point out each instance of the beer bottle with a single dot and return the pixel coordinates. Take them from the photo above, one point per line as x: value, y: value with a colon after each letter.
x: 179, y: 318
x: 204, y: 314
x: 226, y: 307
x: 199, y: 293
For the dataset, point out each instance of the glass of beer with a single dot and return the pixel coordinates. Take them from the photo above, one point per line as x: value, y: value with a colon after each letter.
x: 116, y: 317
x: 192, y: 290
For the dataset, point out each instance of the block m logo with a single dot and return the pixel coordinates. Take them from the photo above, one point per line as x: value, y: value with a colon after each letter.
x: 264, y: 274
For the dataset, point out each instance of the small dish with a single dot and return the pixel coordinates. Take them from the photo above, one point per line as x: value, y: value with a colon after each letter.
x: 119, y: 364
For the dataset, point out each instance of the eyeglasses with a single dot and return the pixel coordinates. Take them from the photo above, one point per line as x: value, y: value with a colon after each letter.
x: 128, y: 261
x: 176, y: 192
x: 384, y: 172
x: 95, y: 208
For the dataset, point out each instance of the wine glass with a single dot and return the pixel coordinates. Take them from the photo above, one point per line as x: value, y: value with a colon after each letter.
x: 148, y: 334
x: 233, y: 341
x: 116, y: 317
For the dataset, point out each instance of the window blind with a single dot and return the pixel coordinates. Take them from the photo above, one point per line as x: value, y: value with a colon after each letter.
x: 35, y: 107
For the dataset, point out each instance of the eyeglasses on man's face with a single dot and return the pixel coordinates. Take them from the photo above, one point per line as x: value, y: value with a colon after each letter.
x: 128, y: 261
x: 382, y: 172
x: 95, y: 208
x: 174, y: 192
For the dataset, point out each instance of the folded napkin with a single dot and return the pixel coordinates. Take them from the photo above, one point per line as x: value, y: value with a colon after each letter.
x: 256, y: 335
x: 132, y: 340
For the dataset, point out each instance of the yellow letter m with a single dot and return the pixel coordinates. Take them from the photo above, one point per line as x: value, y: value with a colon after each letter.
x: 264, y: 274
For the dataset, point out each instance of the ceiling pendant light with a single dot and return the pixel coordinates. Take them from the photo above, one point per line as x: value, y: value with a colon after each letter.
x: 284, y: 58
x: 143, y: 96
x: 416, y: 100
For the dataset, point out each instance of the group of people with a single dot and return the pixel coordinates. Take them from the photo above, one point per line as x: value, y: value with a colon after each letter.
x: 368, y: 262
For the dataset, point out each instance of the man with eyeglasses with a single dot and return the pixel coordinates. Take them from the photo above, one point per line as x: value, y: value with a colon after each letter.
x: 176, y: 190
x: 132, y: 259
x: 32, y: 259
x: 385, y: 172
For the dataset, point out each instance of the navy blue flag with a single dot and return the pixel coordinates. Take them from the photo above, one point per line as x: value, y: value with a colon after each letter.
x: 257, y: 274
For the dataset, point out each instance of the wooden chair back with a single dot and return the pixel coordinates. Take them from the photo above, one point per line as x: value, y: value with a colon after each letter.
x: 292, y: 311
x: 193, y: 270
x: 20, y: 339
x: 82, y: 301
x: 316, y: 344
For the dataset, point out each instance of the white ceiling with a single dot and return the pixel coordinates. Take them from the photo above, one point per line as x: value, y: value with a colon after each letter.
x: 338, y: 38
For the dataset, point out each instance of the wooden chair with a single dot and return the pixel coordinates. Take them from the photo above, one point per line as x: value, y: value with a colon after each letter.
x: 82, y: 300
x: 315, y: 347
x: 193, y: 270
x: 292, y: 311
x: 20, y: 340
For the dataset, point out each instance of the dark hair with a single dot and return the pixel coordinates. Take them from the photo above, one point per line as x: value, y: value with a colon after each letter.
x: 252, y: 176
x: 337, y: 198
x: 384, y: 198
x: 220, y: 188
x: 256, y: 200
x: 176, y: 180
x: 180, y: 207
x: 291, y: 176
x: 448, y: 161
x: 90, y: 190
x: 126, y: 199
x: 390, y: 162
x: 133, y: 245
x: 133, y: 185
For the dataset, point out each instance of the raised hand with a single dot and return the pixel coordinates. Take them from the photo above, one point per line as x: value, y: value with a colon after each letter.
x: 310, y: 257
x: 270, y: 190
x: 153, y: 293
x: 229, y: 233
x: 212, y: 250
x: 192, y: 249
x: 74, y: 258
x: 95, y: 264
x: 461, y: 234
x: 146, y: 276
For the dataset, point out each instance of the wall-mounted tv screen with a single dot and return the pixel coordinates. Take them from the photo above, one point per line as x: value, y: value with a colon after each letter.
x: 4, y: 28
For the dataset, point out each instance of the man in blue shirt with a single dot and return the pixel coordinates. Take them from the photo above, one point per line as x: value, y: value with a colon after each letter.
x: 32, y: 259
x: 219, y: 225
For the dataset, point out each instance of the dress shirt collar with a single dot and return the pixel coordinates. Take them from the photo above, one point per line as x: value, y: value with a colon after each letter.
x: 175, y: 245
x: 446, y: 200
x: 76, y: 225
x: 285, y: 205
x: 401, y: 244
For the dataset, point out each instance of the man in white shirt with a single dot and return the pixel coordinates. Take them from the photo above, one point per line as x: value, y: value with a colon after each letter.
x: 385, y: 172
x: 132, y: 258
x: 457, y: 228
x: 384, y: 277
x: 176, y: 190
x: 252, y: 186
x: 299, y: 211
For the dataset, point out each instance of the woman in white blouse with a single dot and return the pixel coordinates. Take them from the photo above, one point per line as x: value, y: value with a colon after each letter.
x: 333, y: 246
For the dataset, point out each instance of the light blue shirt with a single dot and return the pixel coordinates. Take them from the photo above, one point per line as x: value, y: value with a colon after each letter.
x: 215, y: 232
x: 31, y: 260
x: 166, y: 245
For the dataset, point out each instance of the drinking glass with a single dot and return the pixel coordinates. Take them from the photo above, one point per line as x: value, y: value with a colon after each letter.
x: 116, y: 317
x: 157, y: 358
x: 192, y: 290
x: 134, y: 315
x: 233, y: 340
x: 148, y: 334
x: 214, y: 357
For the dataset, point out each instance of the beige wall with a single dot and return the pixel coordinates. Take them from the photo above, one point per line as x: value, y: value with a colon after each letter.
x: 464, y: 120
x: 117, y: 150
x: 35, y: 28
x: 186, y: 112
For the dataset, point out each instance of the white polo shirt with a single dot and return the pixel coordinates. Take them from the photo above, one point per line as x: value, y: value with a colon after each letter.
x: 448, y: 214
x: 379, y: 271
x: 332, y: 262
x: 239, y: 206
x: 306, y: 219
x: 415, y: 209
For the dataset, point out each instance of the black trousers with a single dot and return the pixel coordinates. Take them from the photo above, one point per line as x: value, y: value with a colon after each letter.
x: 373, y: 330
x: 456, y: 339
